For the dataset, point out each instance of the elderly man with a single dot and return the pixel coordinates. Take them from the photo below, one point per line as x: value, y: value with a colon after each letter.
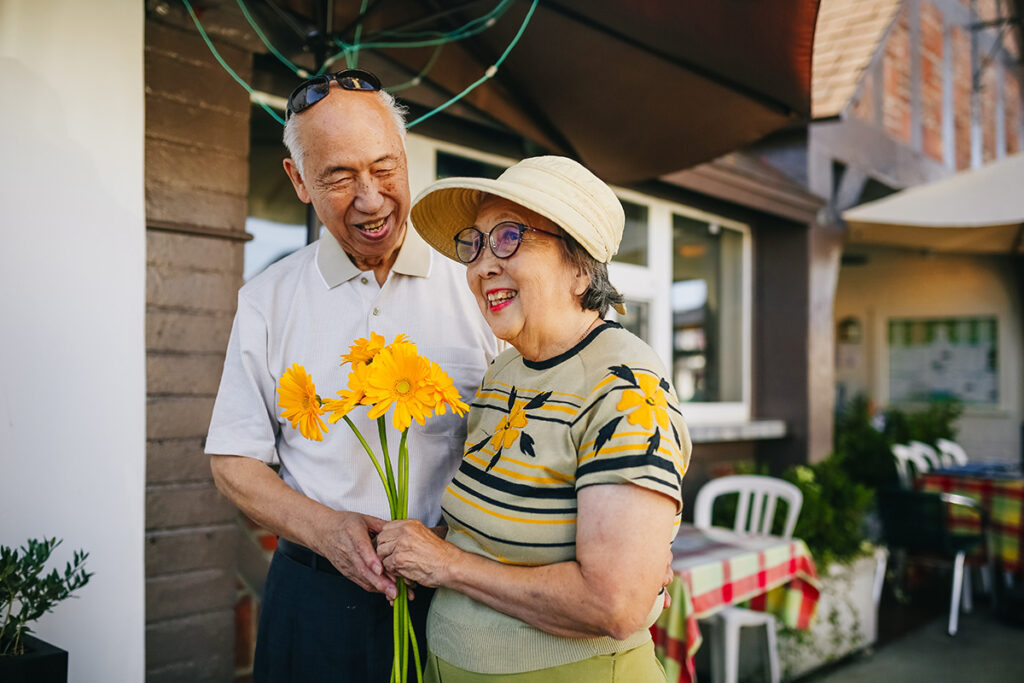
x: 323, y: 613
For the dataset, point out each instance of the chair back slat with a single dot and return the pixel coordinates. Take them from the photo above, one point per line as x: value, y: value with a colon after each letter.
x: 756, y: 505
x: 953, y: 453
x: 928, y: 453
x: 909, y: 463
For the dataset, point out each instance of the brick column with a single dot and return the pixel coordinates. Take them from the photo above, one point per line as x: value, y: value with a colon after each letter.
x: 197, y: 147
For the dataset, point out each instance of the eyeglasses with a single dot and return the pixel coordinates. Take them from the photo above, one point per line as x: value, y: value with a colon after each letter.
x: 504, y: 240
x: 317, y: 88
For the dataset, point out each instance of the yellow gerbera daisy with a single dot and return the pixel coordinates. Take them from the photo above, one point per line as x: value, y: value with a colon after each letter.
x: 350, y: 397
x: 444, y: 392
x: 647, y: 404
x: 507, y: 431
x: 301, y: 404
x: 398, y: 375
x: 364, y: 350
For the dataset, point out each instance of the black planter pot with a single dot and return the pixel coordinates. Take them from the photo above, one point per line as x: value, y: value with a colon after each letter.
x: 41, y: 663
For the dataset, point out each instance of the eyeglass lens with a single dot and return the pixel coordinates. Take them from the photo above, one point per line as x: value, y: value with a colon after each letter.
x: 504, y: 240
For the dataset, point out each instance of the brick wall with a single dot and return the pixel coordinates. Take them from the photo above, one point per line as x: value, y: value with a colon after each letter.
x: 900, y: 94
x: 896, y: 77
x: 931, y: 81
x: 864, y: 104
x: 197, y: 140
x: 962, y: 96
x: 1012, y: 99
x: 989, y: 96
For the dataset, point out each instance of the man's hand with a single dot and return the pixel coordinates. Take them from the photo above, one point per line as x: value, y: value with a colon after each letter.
x: 349, y: 547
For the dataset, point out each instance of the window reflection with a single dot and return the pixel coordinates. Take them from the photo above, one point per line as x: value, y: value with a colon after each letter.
x: 452, y: 165
x: 635, y: 320
x: 633, y: 248
x: 707, y: 304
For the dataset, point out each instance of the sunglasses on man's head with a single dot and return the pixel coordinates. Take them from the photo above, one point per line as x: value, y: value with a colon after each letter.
x: 317, y: 88
x: 504, y: 240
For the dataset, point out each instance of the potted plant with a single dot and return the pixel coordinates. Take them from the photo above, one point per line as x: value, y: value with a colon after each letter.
x: 850, y: 568
x: 25, y: 595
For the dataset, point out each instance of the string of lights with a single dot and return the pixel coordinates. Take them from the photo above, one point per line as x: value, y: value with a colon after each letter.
x: 399, y: 39
x: 225, y: 65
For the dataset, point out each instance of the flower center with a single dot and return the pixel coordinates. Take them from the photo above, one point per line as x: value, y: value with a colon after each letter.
x: 649, y: 401
x: 403, y: 386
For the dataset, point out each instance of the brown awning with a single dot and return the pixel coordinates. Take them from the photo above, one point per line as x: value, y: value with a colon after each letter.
x: 633, y: 89
x: 979, y: 211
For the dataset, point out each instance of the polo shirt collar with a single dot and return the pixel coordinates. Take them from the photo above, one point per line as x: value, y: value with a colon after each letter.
x: 336, y: 267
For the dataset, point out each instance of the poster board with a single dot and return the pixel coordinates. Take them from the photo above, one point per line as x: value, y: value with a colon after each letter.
x: 941, y: 358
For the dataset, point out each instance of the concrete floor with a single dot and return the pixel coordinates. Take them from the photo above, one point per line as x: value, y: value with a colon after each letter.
x: 984, y: 650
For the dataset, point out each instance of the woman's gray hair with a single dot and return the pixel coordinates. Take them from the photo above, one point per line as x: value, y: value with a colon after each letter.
x: 600, y: 295
x: 291, y: 131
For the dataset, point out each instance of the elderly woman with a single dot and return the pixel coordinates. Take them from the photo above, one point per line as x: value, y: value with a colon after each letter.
x: 561, y: 515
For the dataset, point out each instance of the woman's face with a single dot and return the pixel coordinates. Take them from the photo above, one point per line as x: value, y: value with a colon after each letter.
x: 531, y: 298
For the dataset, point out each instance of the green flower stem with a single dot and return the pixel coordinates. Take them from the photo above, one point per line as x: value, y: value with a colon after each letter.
x: 406, y: 627
x: 396, y: 666
x: 376, y: 465
x: 403, y: 475
x: 383, y: 433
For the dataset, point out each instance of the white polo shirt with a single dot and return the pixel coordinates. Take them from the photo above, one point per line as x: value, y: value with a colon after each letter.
x: 307, y: 309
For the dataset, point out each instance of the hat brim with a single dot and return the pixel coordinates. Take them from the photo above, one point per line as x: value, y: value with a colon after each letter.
x: 449, y: 205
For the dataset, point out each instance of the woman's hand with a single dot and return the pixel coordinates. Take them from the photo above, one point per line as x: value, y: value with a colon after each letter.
x: 410, y: 550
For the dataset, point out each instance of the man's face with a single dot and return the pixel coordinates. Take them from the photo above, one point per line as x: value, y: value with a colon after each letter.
x: 355, y: 174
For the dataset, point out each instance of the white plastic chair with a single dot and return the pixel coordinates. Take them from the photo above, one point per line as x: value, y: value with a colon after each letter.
x: 755, y: 512
x: 908, y: 463
x: 953, y: 454
x: 928, y: 453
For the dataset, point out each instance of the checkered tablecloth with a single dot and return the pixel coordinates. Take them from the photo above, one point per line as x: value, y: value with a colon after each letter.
x: 716, y: 568
x: 1003, y: 497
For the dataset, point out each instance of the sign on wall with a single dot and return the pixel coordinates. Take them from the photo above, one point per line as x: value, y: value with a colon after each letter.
x: 936, y: 358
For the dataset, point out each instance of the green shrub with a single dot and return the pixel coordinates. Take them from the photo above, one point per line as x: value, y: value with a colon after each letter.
x: 831, y: 520
x: 27, y: 594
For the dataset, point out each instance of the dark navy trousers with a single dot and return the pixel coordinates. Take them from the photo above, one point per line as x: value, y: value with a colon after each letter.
x: 316, y: 626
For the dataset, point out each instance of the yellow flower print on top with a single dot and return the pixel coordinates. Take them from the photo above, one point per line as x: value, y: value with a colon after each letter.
x: 507, y: 431
x: 647, y: 405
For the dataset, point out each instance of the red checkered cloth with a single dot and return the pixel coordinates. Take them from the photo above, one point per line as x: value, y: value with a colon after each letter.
x: 1002, y: 497
x: 716, y: 568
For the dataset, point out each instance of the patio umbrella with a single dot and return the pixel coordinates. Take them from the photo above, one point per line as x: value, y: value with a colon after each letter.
x: 976, y: 211
x: 632, y: 89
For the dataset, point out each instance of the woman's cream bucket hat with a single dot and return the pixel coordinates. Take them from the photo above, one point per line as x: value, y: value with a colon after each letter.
x: 557, y: 188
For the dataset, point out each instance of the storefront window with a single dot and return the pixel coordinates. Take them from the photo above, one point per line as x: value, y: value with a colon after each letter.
x: 453, y: 165
x: 633, y: 248
x: 707, y: 311
x: 277, y: 219
x: 635, y: 319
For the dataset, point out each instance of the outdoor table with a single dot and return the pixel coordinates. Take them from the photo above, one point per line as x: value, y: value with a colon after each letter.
x: 715, y: 568
x: 1000, y: 491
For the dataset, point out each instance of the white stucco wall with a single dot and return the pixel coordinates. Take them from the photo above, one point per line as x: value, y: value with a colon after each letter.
x: 896, y: 283
x: 72, y: 278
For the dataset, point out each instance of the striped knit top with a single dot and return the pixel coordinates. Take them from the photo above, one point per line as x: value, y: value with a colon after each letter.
x: 600, y: 413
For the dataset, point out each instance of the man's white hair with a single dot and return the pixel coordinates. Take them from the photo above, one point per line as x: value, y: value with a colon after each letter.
x: 291, y: 131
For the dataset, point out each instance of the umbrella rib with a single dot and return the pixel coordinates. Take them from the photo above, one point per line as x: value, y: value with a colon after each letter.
x: 474, y: 48
x: 703, y: 72
x: 439, y: 14
x: 426, y: 80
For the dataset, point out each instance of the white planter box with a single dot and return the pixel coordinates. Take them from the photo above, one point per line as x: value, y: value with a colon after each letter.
x: 846, y: 620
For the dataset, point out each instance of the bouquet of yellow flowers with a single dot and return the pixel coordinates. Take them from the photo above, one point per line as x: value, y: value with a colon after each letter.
x: 382, y: 376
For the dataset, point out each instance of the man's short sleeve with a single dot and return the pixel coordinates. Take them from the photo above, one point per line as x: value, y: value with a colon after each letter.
x: 633, y: 433
x: 243, y: 421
